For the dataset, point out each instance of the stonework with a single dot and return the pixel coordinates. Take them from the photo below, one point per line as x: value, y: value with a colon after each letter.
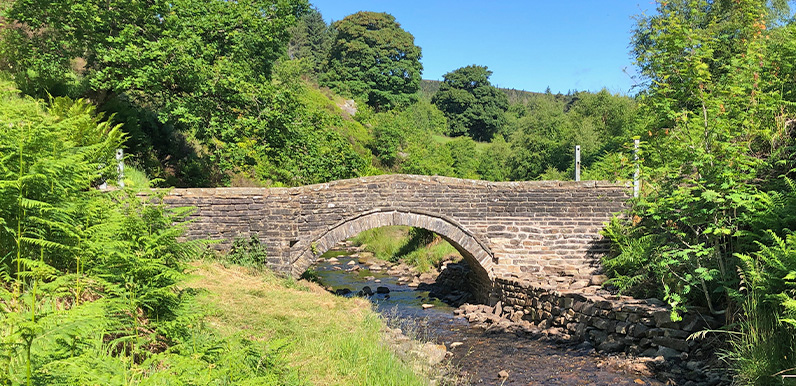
x: 612, y: 323
x: 547, y: 229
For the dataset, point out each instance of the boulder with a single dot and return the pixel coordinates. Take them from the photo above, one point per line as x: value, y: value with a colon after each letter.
x: 667, y: 353
x: 434, y: 353
x: 382, y: 290
x: 342, y: 291
x: 677, y: 344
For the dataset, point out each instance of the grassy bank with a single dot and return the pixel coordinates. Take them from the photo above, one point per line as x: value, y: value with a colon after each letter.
x: 417, y: 247
x: 325, y: 339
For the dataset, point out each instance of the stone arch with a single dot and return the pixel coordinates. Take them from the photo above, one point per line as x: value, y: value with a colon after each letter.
x: 475, y: 252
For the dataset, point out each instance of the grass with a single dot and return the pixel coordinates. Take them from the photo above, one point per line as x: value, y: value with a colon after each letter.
x: 414, y: 246
x: 329, y: 340
x: 384, y: 242
x: 431, y: 255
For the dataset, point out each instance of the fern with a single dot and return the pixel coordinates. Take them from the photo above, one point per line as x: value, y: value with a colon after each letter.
x: 767, y: 341
x: 89, y: 282
x: 632, y: 264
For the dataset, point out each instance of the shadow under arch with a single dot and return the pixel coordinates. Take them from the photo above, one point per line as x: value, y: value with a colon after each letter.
x: 475, y: 252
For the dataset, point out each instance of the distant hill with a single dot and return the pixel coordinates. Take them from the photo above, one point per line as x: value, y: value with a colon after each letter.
x: 430, y: 87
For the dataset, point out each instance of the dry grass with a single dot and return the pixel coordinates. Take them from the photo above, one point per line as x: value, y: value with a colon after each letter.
x: 330, y: 340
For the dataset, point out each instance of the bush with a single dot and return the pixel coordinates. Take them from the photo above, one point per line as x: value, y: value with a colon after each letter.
x: 247, y: 252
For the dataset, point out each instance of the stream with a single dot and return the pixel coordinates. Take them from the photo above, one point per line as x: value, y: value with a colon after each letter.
x: 479, y: 355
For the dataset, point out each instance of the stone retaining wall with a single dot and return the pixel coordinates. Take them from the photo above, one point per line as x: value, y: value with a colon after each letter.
x: 611, y: 323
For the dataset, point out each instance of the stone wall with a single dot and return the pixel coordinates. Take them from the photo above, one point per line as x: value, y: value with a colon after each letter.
x: 612, y: 323
x: 549, y: 229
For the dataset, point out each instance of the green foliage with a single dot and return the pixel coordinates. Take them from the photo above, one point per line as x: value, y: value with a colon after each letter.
x: 428, y: 158
x: 389, y: 138
x: 247, y: 252
x: 49, y: 156
x: 706, y: 141
x: 616, y: 166
x: 538, y: 140
x: 383, y: 242
x: 395, y: 132
x: 193, y: 85
x: 471, y: 104
x: 310, y: 40
x: 372, y: 58
x: 493, y: 161
x: 547, y: 128
x: 767, y: 343
x: 465, y: 157
x: 88, y: 280
x: 633, y: 263
x: 424, y: 117
x: 416, y: 247
x: 713, y: 227
x: 425, y: 250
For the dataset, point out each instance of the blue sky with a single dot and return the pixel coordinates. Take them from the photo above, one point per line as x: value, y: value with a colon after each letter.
x: 528, y: 45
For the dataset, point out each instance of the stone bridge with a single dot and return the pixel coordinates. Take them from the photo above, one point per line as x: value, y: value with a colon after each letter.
x: 547, y: 229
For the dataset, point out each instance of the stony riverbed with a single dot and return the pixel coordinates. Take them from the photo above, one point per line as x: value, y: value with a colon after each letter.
x: 494, y: 353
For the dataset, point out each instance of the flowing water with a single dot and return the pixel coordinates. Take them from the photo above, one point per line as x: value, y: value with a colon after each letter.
x: 482, y: 354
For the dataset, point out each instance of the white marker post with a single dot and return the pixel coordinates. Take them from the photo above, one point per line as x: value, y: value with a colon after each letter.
x: 120, y: 167
x: 577, y: 163
x: 637, y: 172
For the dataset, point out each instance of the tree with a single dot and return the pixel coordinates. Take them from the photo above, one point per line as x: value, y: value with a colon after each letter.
x: 493, y: 161
x: 472, y: 105
x: 540, y: 139
x: 310, y: 39
x: 194, y: 77
x: 374, y: 59
x: 390, y: 133
x: 717, y: 115
x: 427, y: 158
x: 465, y: 157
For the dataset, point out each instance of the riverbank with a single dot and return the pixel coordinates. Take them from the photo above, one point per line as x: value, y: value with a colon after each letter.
x: 481, y: 353
x: 325, y: 339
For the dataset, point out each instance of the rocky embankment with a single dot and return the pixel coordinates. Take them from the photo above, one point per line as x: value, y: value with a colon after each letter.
x: 638, y: 334
x: 596, y: 326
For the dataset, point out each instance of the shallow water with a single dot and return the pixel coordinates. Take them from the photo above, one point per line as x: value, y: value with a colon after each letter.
x: 482, y: 354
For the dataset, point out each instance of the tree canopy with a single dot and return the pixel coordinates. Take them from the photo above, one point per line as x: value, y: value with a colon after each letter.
x: 472, y: 105
x: 374, y: 59
x: 311, y: 40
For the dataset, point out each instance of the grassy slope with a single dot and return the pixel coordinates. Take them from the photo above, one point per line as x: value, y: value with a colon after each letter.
x: 323, y: 99
x: 330, y: 340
